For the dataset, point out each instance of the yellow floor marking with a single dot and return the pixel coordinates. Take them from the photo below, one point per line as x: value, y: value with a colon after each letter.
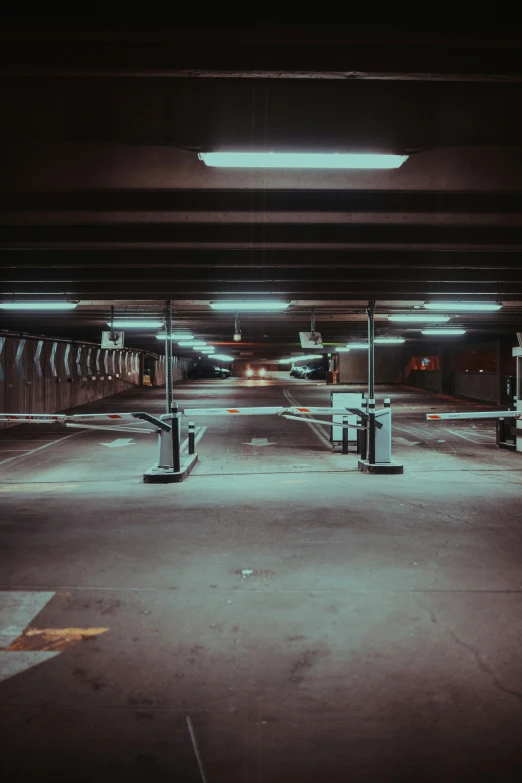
x: 52, y: 639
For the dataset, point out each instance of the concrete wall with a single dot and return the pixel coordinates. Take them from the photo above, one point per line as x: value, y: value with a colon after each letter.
x: 487, y: 386
x: 389, y: 365
x: 477, y: 385
x: 425, y: 379
x: 41, y: 375
x: 179, y: 369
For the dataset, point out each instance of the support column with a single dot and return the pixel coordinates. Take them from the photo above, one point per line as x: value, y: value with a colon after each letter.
x: 168, y: 356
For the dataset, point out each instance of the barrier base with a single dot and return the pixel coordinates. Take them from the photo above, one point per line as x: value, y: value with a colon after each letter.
x: 380, y: 467
x: 156, y: 475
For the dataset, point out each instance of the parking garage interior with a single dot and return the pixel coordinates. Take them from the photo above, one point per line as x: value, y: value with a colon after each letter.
x: 278, y: 613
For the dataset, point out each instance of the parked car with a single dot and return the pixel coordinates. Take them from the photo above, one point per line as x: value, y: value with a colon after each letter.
x: 205, y: 370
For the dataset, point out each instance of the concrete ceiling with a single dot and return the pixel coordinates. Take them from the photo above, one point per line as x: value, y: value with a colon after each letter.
x: 104, y: 201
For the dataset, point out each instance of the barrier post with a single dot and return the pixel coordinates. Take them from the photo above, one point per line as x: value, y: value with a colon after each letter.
x: 192, y: 437
x: 176, y: 438
x: 371, y: 431
x: 345, y: 434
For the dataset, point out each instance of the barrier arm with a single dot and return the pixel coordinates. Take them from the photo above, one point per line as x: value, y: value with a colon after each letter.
x: 475, y: 415
x: 294, y: 413
x: 86, y: 420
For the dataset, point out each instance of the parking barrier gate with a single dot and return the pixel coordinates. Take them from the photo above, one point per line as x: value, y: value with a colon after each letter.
x: 172, y: 466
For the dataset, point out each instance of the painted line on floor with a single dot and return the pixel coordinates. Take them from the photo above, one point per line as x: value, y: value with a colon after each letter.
x: 321, y: 435
x: 45, y: 446
x: 22, y: 647
x: 17, y: 609
x: 464, y: 437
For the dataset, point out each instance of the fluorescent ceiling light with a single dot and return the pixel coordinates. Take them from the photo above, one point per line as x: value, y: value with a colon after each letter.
x: 308, y: 356
x: 427, y: 319
x: 196, y: 344
x: 378, y: 341
x: 285, y: 361
x: 253, y: 306
x: 302, y: 160
x: 342, y: 349
x: 136, y: 324
x: 223, y: 357
x: 206, y: 350
x: 38, y: 305
x: 185, y: 341
x: 463, y: 306
x: 443, y: 331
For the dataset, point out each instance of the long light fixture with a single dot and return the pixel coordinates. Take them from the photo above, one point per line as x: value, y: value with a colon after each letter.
x: 223, y: 357
x: 427, y: 319
x: 342, y: 349
x: 252, y: 306
x: 38, y: 305
x: 136, y: 324
x: 379, y: 341
x: 206, y: 350
x: 307, y: 357
x: 464, y: 307
x: 302, y: 160
x: 443, y: 331
x: 186, y: 340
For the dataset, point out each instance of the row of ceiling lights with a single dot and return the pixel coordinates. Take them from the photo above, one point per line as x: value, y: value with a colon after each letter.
x: 267, y: 306
x: 187, y: 340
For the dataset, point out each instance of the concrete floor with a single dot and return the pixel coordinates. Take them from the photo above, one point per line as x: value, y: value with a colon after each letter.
x: 377, y: 637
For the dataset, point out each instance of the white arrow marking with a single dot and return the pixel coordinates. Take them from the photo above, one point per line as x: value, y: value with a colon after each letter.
x: 119, y: 442
x: 260, y: 442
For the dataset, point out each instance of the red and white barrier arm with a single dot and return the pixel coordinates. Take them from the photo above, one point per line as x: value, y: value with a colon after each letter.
x: 269, y: 411
x: 476, y: 415
x: 63, y: 418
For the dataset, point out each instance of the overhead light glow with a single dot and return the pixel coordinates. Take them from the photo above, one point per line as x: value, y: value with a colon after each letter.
x: 464, y: 307
x: 342, y: 349
x: 443, y: 331
x: 307, y: 357
x: 302, y: 160
x: 427, y: 319
x: 253, y: 306
x: 38, y: 305
x: 136, y: 324
x: 206, y: 350
x: 223, y: 357
x: 358, y: 345
x: 285, y: 361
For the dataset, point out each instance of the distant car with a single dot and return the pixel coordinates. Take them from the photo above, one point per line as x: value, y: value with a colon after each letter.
x: 255, y: 372
x: 315, y: 374
x: 303, y: 370
x: 208, y: 371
